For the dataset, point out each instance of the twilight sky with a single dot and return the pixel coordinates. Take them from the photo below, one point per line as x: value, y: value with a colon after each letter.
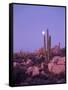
x: 29, y: 22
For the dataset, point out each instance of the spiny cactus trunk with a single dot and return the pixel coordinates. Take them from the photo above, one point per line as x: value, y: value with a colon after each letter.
x: 44, y: 45
x: 48, y: 45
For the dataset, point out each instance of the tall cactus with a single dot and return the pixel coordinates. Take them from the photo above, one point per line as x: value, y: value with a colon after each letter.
x: 47, y: 39
x: 44, y: 44
x: 48, y: 45
x: 59, y: 45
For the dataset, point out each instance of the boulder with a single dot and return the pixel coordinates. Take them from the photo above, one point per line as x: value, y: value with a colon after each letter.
x: 34, y: 70
x: 57, y: 65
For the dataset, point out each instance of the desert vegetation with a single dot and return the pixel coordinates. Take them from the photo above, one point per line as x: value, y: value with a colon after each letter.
x: 35, y: 69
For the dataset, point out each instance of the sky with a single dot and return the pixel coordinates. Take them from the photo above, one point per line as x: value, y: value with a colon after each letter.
x: 29, y: 21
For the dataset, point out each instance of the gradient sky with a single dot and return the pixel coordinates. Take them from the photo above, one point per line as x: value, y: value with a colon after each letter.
x: 29, y: 22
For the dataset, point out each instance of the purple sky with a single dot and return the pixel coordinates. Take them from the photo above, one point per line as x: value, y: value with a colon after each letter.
x: 30, y: 21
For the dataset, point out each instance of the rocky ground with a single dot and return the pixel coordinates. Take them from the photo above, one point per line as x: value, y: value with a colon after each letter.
x: 36, y: 70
